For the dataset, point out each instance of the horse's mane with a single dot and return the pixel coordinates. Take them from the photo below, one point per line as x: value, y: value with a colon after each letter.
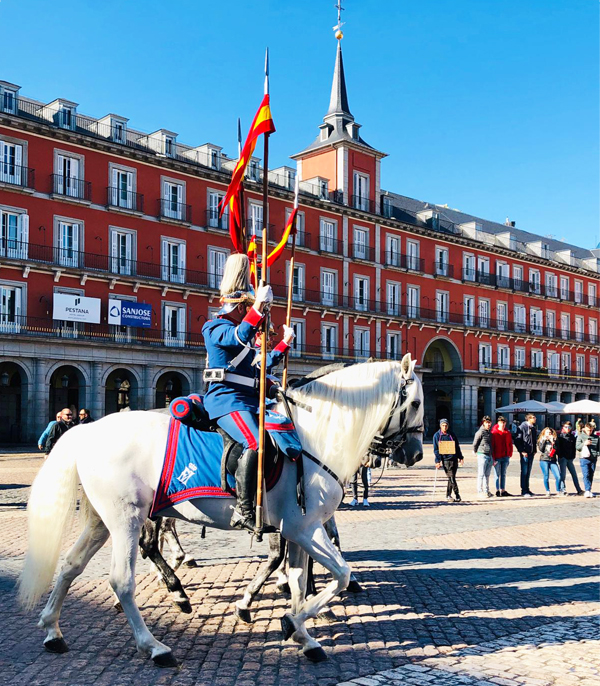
x: 349, y: 405
x: 318, y: 373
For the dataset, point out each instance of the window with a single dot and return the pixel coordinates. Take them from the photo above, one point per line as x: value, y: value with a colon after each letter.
x: 594, y: 367
x: 327, y: 235
x: 120, y: 193
x: 386, y: 206
x: 123, y: 334
x: 67, y: 178
x: 329, y: 337
x: 68, y: 244
x: 169, y: 146
x: 298, y: 282
x: 300, y: 232
x: 328, y: 288
x: 534, y: 281
x: 361, y: 192
x: 392, y: 251
x: 578, y: 291
x: 550, y: 323
x: 502, y: 318
x: 298, y: 343
x: 119, y: 132
x: 10, y: 308
x: 256, y: 219
x: 519, y: 358
x: 551, y: 288
x: 565, y: 326
x: 393, y: 345
x: 11, y: 161
x: 537, y: 359
x: 553, y: 363
x: 253, y: 171
x: 122, y: 251
x: 469, y: 271
x: 518, y: 277
x: 361, y: 293
x: 520, y: 317
x: 485, y: 357
x: 323, y: 189
x: 174, y: 325
x: 580, y: 365
x: 593, y: 330
x: 66, y: 118
x: 216, y: 265
x: 565, y: 363
x: 592, y: 294
x: 579, y: 327
x: 214, y: 202
x: 412, y: 255
x: 536, y: 323
x: 484, y: 313
x: 469, y: 310
x: 483, y: 270
x: 393, y: 298
x: 503, y: 358
x: 361, y: 241
x: 412, y: 302
x: 172, y: 202
x: 442, y: 306
x: 215, y: 159
x: 14, y: 234
x: 442, y: 262
x: 362, y: 342
x: 173, y: 260
x: 502, y: 275
x: 8, y: 101
x: 564, y: 287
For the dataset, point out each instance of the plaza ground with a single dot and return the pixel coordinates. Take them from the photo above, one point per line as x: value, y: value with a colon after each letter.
x: 498, y: 593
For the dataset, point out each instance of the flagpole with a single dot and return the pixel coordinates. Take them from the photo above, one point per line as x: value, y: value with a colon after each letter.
x: 288, y: 312
x: 264, y: 277
x: 242, y: 202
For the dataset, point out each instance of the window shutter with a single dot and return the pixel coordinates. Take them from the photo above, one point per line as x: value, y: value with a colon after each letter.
x: 18, y: 162
x: 166, y: 191
x: 73, y: 167
x: 17, y: 293
x: 24, y: 235
x: 76, y: 229
x: 114, y: 245
x: 179, y: 193
x: 165, y: 260
x: 181, y: 321
x: 182, y: 260
x: 130, y: 182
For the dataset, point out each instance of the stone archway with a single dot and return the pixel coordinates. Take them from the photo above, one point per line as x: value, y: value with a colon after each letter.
x: 441, y: 364
x: 170, y: 385
x: 67, y: 389
x: 121, y: 391
x: 13, y: 402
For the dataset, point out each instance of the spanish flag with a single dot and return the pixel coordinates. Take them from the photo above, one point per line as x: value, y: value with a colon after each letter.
x: 262, y: 124
x: 253, y: 257
x: 236, y: 230
x: 287, y: 232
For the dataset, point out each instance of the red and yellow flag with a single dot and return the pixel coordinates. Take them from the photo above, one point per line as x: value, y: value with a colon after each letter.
x: 262, y: 124
x: 289, y: 230
x: 236, y: 230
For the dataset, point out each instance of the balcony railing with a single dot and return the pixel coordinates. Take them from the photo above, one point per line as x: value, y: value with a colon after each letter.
x: 408, y: 262
x: 178, y: 211
x: 331, y: 245
x: 16, y: 175
x: 363, y: 252
x: 443, y: 269
x: 358, y: 202
x: 124, y: 199
x: 70, y: 187
x: 215, y: 222
x: 539, y: 371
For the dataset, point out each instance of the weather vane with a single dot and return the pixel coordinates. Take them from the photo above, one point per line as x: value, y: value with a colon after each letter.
x: 338, y: 29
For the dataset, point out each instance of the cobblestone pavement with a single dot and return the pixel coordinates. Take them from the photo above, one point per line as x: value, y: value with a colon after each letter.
x: 500, y: 592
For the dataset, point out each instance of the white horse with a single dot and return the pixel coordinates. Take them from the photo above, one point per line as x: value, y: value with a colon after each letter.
x: 118, y: 461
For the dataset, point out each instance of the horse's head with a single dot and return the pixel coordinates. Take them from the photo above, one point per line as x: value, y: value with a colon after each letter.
x: 404, y: 432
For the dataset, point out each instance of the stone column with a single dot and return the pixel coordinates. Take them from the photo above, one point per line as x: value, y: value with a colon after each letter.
x: 146, y: 396
x: 96, y: 400
x: 38, y: 402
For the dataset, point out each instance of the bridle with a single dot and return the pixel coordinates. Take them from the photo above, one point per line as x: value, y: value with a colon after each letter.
x: 383, y: 445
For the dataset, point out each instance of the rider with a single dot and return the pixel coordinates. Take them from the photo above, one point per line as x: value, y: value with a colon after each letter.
x: 232, y: 398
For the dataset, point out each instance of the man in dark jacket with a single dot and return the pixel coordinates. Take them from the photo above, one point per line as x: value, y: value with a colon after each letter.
x: 588, y: 447
x: 448, y: 456
x: 526, y: 442
x: 84, y: 416
x: 565, y: 447
x: 63, y: 424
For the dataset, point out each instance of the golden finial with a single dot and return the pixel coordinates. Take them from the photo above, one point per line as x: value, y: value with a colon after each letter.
x: 338, y: 28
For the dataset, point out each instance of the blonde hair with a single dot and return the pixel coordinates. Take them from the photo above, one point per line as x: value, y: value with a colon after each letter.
x: 236, y: 274
x: 543, y: 437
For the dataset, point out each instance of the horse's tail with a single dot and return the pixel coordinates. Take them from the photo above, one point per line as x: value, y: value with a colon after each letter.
x: 51, y: 502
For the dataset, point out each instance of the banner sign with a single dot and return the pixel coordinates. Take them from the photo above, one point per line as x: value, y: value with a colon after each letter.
x: 76, y: 308
x: 126, y: 313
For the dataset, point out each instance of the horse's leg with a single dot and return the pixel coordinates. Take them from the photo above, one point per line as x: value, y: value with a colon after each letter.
x: 281, y: 584
x: 317, y: 544
x: 90, y: 541
x: 149, y: 549
x: 179, y: 556
x: 277, y: 549
x: 125, y: 534
x: 330, y: 527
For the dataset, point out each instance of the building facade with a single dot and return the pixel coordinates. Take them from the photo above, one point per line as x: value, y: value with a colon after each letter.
x: 93, y: 208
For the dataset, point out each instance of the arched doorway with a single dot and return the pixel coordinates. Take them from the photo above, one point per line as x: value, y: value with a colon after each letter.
x: 67, y: 387
x: 441, y: 364
x: 12, y: 391
x: 121, y: 391
x: 170, y: 385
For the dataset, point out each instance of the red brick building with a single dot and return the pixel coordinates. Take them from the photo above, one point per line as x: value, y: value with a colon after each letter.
x: 94, y: 209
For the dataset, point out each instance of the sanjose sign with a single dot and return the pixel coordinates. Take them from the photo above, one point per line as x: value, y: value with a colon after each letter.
x: 76, y: 308
x: 126, y: 313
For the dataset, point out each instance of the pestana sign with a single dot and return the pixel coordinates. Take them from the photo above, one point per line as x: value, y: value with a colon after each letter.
x: 125, y: 313
x: 76, y: 308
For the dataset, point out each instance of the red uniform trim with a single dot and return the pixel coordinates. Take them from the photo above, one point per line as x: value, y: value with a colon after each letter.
x: 243, y: 427
x: 282, y: 347
x: 254, y: 317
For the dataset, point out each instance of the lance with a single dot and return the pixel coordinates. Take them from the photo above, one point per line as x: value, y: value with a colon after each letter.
x: 264, y: 276
x: 288, y: 312
x: 241, y: 196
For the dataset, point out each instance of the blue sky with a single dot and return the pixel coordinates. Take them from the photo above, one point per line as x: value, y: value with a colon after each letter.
x: 491, y: 107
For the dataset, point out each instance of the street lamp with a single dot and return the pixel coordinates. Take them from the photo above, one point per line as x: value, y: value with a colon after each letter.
x: 65, y: 381
x: 4, y: 379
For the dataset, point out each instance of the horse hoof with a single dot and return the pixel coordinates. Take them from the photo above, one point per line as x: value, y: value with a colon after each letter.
x: 165, y: 660
x: 285, y: 589
x: 184, y: 606
x: 354, y: 587
x: 56, y: 645
x: 243, y: 614
x: 190, y: 563
x: 287, y: 627
x: 118, y: 607
x: 316, y: 654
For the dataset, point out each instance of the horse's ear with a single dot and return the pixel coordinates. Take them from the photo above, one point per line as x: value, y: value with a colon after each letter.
x: 405, y: 365
x: 412, y: 367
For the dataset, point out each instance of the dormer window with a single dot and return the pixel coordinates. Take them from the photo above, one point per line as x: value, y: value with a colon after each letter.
x: 386, y: 206
x: 323, y: 190
x: 119, y: 132
x: 435, y: 220
x: 215, y: 159
x: 169, y: 146
x: 8, y: 101
x: 253, y: 170
x: 66, y: 117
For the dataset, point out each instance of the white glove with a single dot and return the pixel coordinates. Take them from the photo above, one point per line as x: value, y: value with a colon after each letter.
x: 264, y: 296
x: 288, y: 334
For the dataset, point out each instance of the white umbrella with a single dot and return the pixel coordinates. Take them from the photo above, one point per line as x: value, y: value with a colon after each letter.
x: 533, y: 406
x: 582, y: 407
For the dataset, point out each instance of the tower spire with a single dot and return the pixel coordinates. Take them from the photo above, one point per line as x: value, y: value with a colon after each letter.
x: 338, y: 102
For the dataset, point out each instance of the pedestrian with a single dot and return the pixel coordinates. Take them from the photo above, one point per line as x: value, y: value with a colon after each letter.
x: 526, y: 444
x: 482, y: 449
x: 502, y: 450
x: 549, y: 459
x: 364, y: 475
x: 64, y: 423
x: 579, y: 426
x: 46, y: 431
x: 587, y: 447
x: 514, y: 427
x: 565, y: 446
x: 448, y: 455
x: 84, y: 416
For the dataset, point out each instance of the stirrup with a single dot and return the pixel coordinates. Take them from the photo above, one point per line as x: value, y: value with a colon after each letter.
x: 240, y: 521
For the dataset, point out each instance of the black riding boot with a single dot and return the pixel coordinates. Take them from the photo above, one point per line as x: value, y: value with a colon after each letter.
x: 245, y: 488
